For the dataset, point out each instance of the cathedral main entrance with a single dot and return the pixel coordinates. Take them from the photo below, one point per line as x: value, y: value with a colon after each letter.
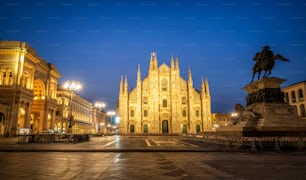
x: 165, y: 128
x: 132, y: 128
x: 184, y: 129
x: 198, y: 129
x: 145, y: 128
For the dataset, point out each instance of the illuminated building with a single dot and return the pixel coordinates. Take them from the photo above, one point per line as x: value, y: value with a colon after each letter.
x: 295, y: 96
x: 164, y: 102
x: 221, y: 119
x: 82, y: 112
x: 28, y: 87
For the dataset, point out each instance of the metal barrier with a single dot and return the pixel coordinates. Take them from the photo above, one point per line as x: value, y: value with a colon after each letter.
x: 255, y: 143
x: 52, y: 138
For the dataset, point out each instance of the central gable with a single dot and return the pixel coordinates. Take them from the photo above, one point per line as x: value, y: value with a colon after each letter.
x: 164, y: 69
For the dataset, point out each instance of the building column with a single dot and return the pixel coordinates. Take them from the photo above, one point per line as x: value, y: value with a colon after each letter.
x: 27, y: 115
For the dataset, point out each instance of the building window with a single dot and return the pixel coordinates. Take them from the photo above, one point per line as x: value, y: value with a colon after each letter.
x: 293, y: 99
x: 132, y: 113
x: 164, y: 85
x: 184, y: 101
x: 11, y: 79
x: 197, y: 113
x: 145, y: 100
x: 145, y: 113
x: 6, y: 78
x: 184, y: 113
x: 302, y: 109
x: 301, y: 96
x: 164, y: 103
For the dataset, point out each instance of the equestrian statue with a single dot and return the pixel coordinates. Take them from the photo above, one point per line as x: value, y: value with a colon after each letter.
x: 265, y: 62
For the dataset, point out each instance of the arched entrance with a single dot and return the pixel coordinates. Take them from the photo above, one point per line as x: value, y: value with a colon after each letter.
x: 145, y: 128
x: 198, y: 129
x: 184, y: 129
x: 132, y: 128
x: 165, y: 128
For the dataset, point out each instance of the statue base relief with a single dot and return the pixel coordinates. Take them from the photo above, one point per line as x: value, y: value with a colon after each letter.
x: 266, y: 113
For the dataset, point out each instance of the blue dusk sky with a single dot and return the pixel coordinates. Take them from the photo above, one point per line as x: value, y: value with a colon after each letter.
x: 95, y: 42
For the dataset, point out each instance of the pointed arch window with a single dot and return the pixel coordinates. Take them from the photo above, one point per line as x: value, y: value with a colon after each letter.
x: 184, y: 113
x: 145, y: 113
x: 184, y: 100
x: 145, y: 100
x: 164, y: 102
x: 132, y: 113
x: 197, y: 113
x: 164, y: 85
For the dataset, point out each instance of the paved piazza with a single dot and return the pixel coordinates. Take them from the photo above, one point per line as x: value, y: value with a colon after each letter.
x: 89, y: 160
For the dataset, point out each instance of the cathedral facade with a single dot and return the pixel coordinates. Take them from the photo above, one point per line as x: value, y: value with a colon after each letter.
x: 164, y: 102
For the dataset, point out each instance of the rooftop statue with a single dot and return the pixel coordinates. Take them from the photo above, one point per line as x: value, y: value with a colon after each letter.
x: 265, y: 62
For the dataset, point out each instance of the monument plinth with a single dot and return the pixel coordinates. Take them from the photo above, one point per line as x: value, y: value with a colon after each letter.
x: 266, y: 99
x: 266, y: 113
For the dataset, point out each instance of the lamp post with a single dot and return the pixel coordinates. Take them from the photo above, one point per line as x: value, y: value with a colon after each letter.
x: 71, y: 86
x: 100, y: 106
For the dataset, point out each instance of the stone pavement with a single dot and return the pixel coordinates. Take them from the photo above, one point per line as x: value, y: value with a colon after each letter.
x: 151, y: 165
x: 115, y: 157
x: 112, y: 144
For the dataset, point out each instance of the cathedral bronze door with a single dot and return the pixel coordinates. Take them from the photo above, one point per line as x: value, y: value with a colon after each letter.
x: 165, y: 126
x: 132, y: 128
x: 198, y: 128
x: 145, y: 128
x: 184, y: 129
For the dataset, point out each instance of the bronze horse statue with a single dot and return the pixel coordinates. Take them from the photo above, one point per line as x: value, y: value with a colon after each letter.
x: 265, y: 61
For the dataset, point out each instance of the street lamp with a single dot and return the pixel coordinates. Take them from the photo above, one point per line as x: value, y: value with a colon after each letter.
x: 100, y: 105
x: 71, y: 86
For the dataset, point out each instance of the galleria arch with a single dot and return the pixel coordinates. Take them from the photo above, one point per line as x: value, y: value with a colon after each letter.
x: 27, y: 89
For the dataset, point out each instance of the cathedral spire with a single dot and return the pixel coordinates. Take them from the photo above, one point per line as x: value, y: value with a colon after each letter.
x: 172, y: 62
x: 189, y: 74
x: 153, y: 62
x: 121, y: 84
x: 207, y: 87
x: 126, y: 84
x: 176, y: 63
x: 202, y: 85
x: 138, y: 73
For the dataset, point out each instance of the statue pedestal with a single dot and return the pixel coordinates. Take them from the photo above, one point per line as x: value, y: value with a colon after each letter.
x: 274, y: 117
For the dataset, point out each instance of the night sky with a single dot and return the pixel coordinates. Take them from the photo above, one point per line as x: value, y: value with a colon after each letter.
x: 95, y: 42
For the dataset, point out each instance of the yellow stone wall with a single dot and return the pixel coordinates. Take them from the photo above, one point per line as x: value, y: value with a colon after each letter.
x: 295, y: 95
x: 27, y: 87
